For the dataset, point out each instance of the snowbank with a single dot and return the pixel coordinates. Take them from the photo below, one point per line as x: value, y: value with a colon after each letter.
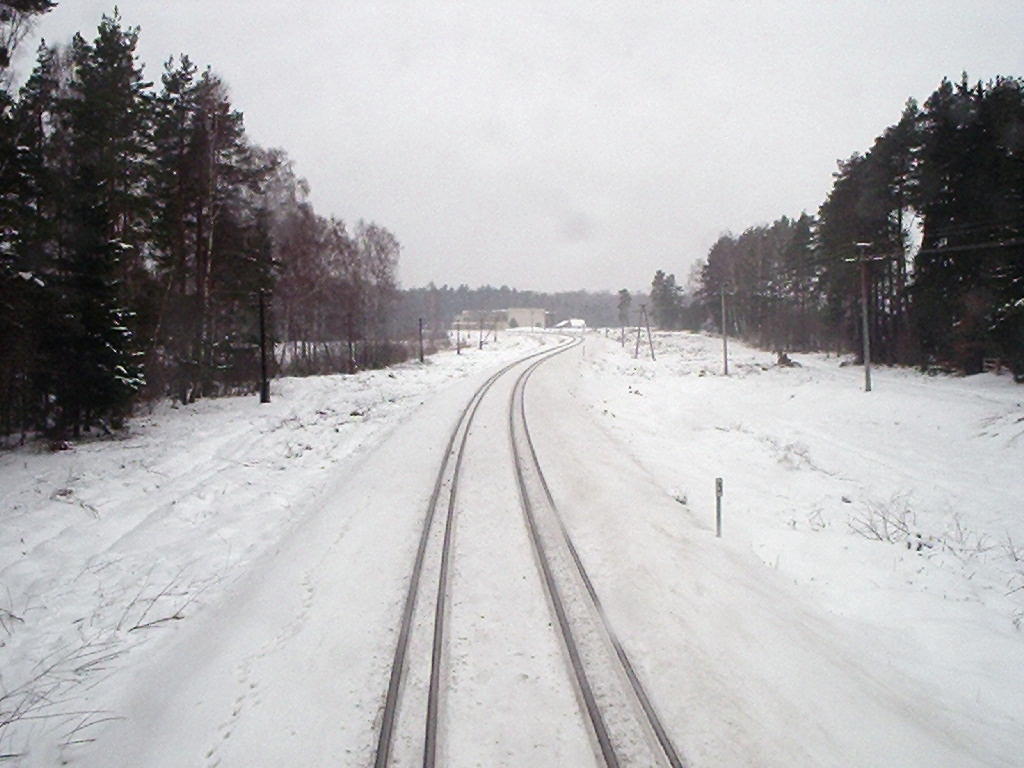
x: 104, y: 544
x: 898, y: 511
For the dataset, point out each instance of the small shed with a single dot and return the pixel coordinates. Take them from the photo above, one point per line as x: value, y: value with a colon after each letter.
x: 572, y: 322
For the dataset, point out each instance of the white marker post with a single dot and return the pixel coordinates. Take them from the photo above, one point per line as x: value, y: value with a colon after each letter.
x: 718, y: 507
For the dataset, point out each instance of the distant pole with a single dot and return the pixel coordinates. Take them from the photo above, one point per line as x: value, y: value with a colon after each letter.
x: 481, y: 331
x: 639, y: 330
x: 264, y: 382
x: 865, y: 329
x: 725, y: 337
x: 647, y: 322
x: 421, y: 339
x: 458, y: 339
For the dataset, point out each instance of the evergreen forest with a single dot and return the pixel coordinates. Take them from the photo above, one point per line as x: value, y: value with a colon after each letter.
x: 928, y: 224
x: 143, y: 235
x: 140, y: 231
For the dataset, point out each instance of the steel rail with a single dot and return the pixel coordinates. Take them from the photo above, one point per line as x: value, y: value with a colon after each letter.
x: 440, y: 608
x: 671, y: 753
x: 385, y: 732
x: 597, y: 721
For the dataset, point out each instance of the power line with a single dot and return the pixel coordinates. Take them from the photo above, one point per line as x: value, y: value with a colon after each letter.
x: 975, y: 246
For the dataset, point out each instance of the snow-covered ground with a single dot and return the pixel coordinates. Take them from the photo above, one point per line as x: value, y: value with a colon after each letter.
x: 104, y: 546
x: 223, y: 582
x: 897, y: 515
x: 817, y: 471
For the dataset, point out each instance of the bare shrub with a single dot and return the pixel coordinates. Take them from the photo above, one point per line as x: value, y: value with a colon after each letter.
x: 816, y: 521
x: 962, y: 543
x: 891, y: 521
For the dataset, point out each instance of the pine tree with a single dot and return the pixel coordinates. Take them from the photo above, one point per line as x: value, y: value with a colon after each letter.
x: 96, y: 352
x: 969, y: 181
x: 15, y: 290
x: 175, y: 185
x: 624, y: 300
x: 1003, y: 114
x: 665, y: 304
x: 845, y: 218
x: 27, y: 226
x: 138, y: 226
x: 175, y: 180
x: 228, y: 180
x: 93, y: 349
x: 43, y: 150
x: 111, y: 126
x: 798, y: 323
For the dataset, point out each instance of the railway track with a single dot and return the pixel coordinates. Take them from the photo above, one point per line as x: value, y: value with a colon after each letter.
x: 624, y: 727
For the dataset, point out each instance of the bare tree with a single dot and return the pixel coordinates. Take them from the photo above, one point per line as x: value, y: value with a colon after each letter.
x: 16, y: 18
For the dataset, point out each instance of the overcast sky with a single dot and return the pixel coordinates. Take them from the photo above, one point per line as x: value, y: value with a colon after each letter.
x: 558, y: 144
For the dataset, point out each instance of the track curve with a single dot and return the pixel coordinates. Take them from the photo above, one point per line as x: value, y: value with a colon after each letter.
x: 447, y: 478
x: 623, y: 723
x: 645, y: 741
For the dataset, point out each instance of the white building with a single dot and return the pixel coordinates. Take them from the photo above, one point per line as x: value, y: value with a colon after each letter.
x: 502, y: 319
x: 573, y: 322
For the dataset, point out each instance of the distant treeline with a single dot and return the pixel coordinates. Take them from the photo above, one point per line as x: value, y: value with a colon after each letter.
x: 955, y: 167
x: 439, y: 306
x: 138, y: 228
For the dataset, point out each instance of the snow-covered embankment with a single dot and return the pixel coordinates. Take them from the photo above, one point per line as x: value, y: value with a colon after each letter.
x: 103, y: 545
x: 898, y: 512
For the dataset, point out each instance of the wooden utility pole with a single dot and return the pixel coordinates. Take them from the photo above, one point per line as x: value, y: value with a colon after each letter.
x: 481, y: 331
x: 264, y: 382
x: 865, y: 330
x: 647, y: 322
x: 639, y: 330
x: 725, y: 336
x: 421, y: 339
x: 864, y: 260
